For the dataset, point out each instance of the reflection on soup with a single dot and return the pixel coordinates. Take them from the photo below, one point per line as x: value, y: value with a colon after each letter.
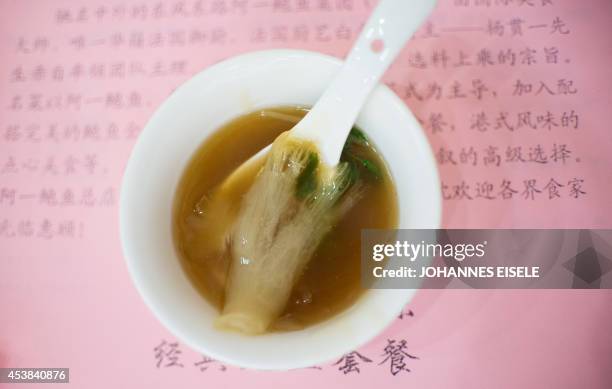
x: 330, y: 282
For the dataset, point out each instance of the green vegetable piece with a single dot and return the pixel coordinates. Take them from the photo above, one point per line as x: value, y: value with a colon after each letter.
x: 357, y: 136
x: 307, y: 180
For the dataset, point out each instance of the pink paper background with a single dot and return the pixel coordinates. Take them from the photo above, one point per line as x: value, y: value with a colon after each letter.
x: 67, y: 301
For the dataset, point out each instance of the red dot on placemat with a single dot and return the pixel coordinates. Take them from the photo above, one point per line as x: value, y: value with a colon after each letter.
x: 377, y: 45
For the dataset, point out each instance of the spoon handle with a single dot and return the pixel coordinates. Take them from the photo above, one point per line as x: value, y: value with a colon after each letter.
x: 386, y: 32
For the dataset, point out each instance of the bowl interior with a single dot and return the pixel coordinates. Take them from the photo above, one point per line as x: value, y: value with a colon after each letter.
x: 181, y: 124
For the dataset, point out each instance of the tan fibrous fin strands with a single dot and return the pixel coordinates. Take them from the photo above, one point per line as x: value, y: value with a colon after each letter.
x: 276, y: 233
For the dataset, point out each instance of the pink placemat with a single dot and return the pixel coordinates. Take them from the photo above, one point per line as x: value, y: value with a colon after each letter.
x: 514, y: 96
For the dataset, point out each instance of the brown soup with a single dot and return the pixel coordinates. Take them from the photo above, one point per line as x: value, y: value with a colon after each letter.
x: 331, y: 281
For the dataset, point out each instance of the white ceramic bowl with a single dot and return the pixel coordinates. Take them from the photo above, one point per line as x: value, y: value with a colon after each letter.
x: 192, y: 113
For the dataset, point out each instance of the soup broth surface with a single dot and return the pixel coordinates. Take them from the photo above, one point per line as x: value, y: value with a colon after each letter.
x: 330, y: 282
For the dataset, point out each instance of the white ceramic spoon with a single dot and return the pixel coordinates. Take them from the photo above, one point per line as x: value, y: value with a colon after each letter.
x: 329, y: 122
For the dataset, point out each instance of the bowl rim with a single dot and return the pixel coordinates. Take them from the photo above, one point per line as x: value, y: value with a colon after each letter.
x: 137, y: 279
